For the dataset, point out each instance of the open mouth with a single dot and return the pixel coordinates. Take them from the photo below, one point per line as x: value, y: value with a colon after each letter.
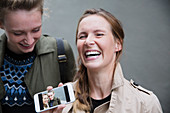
x: 26, y: 46
x: 92, y: 54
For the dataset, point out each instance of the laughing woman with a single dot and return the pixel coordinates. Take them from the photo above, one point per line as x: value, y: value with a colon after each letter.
x: 99, y: 85
x: 28, y: 60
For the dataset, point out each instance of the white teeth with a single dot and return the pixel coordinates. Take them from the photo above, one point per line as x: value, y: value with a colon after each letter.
x: 92, y: 53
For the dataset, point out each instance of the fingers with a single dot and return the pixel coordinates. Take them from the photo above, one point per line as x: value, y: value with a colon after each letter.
x: 49, y: 88
x: 60, y: 84
x: 59, y: 108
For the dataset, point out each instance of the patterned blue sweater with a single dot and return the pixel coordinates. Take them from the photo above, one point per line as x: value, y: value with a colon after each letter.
x: 12, y: 74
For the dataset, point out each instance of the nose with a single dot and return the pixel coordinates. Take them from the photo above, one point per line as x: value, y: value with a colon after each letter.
x: 29, y: 39
x: 89, y: 40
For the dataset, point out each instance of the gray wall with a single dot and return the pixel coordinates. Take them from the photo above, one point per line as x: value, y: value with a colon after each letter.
x: 147, y: 42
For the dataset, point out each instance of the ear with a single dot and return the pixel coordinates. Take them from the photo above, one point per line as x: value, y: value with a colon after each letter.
x: 118, y: 46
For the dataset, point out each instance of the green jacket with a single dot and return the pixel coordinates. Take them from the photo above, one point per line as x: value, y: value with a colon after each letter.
x: 45, y: 69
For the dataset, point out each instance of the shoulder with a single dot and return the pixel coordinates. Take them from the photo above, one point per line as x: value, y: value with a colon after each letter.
x: 53, y: 40
x: 3, y: 38
x: 47, y: 39
x: 68, y: 48
x: 148, y: 99
x: 45, y: 45
x: 140, y: 88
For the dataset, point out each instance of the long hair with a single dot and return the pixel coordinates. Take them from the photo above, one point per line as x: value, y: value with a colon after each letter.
x: 13, y: 5
x: 82, y: 87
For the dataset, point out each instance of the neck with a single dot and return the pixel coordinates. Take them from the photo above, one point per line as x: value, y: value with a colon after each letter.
x: 100, y: 82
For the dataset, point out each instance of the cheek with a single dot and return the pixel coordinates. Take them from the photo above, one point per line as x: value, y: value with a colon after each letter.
x: 80, y: 46
x: 104, y: 44
x: 38, y: 35
x: 14, y: 39
x: 108, y: 47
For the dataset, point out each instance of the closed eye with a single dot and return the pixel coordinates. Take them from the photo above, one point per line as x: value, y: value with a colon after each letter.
x: 17, y: 33
x: 82, y: 36
x: 36, y: 30
x: 99, y: 35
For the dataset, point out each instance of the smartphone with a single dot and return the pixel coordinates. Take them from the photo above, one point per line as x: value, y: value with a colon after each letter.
x: 50, y: 99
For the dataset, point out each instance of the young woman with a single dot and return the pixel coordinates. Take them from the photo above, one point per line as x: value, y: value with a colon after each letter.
x: 28, y: 60
x: 45, y: 101
x: 100, y: 86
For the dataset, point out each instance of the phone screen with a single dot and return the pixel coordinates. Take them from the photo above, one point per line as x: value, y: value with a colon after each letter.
x: 54, y: 97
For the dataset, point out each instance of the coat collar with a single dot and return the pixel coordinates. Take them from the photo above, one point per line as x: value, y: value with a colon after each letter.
x: 118, y: 77
x: 45, y: 45
x: 117, y: 82
x: 2, y: 51
x: 3, y: 41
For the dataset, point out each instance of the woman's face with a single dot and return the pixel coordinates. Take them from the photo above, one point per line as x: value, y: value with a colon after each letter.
x: 96, y: 44
x: 45, y: 99
x: 23, y: 29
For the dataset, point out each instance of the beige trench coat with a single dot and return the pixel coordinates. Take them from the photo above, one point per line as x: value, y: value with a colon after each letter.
x: 126, y: 97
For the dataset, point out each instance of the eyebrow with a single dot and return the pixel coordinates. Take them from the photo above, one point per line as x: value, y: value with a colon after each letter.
x: 23, y: 30
x: 82, y: 33
x: 100, y: 30
x: 93, y: 31
x: 37, y: 27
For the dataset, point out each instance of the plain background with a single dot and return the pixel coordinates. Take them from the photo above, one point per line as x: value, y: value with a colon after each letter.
x: 146, y: 23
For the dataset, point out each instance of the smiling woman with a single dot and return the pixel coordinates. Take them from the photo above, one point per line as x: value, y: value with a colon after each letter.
x: 100, y: 86
x: 28, y: 60
x: 23, y: 29
x: 95, y: 41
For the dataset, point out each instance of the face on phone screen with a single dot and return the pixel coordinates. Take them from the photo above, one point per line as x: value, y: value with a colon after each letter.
x: 54, y: 97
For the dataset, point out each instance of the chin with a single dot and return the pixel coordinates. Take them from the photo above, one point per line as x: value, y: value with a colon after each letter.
x: 27, y: 51
x: 92, y: 66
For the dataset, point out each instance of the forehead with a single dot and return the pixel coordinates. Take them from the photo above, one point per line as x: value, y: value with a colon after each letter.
x: 22, y: 19
x: 94, y: 22
x: 50, y: 93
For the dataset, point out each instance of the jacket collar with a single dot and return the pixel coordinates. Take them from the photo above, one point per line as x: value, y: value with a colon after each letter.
x: 3, y: 41
x: 45, y: 45
x: 117, y: 82
x: 118, y: 77
x: 2, y: 50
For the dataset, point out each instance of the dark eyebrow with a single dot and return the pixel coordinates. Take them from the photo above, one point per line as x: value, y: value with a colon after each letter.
x: 13, y: 30
x: 82, y: 33
x: 37, y: 27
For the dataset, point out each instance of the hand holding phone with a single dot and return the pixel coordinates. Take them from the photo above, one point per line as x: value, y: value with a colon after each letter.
x: 53, y: 98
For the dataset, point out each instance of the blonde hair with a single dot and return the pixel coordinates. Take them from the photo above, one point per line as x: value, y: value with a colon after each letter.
x: 13, y: 5
x: 81, y: 78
